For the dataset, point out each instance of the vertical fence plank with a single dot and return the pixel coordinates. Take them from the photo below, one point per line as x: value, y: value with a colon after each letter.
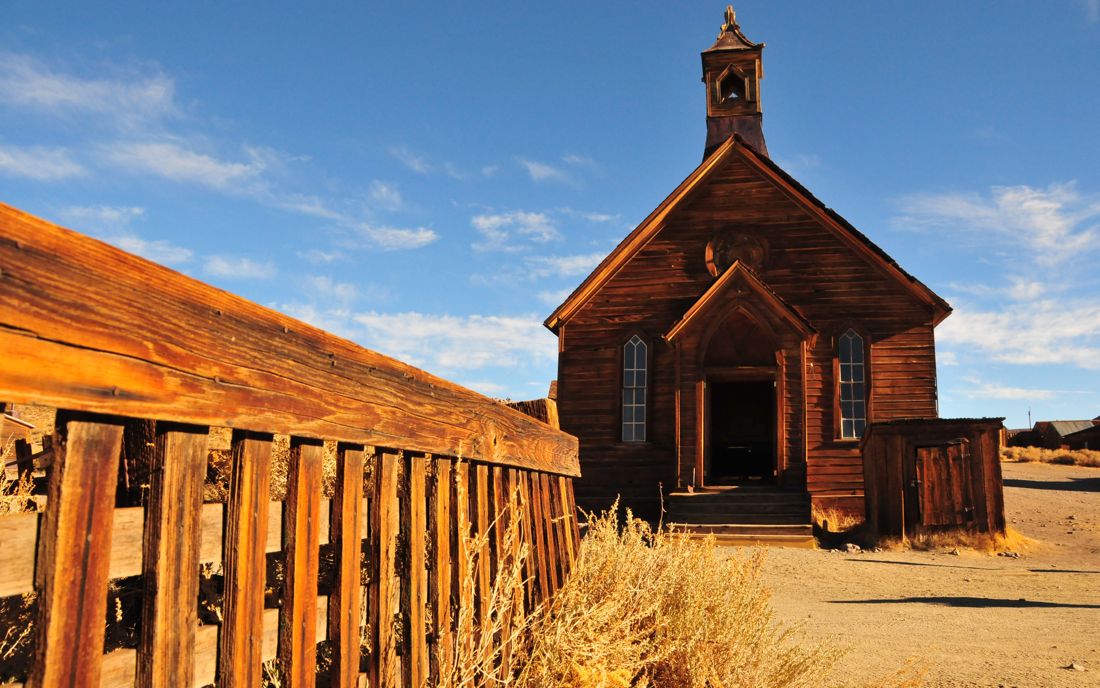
x: 569, y: 520
x: 301, y: 547
x: 240, y: 655
x: 385, y: 587
x: 538, y: 516
x: 484, y: 554
x: 463, y: 592
x: 573, y: 511
x: 72, y: 598
x: 553, y: 547
x: 415, y: 580
x: 170, y: 557
x: 502, y: 561
x: 523, y: 486
x: 439, y: 520
x: 346, y: 536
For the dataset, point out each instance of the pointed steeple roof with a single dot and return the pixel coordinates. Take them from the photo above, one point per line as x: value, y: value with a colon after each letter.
x: 731, y: 38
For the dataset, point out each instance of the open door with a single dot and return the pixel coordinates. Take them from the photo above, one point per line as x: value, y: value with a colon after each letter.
x: 741, y: 432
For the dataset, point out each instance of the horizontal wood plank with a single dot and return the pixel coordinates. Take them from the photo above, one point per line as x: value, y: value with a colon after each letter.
x: 87, y: 326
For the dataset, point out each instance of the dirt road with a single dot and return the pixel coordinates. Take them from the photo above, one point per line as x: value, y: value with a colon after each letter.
x: 973, y: 619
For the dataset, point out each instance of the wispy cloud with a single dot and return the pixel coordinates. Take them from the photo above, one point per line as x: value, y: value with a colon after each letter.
x: 39, y: 163
x: 448, y: 344
x: 386, y: 196
x: 414, y: 161
x: 397, y: 239
x: 1054, y: 224
x: 321, y: 257
x: 977, y: 389
x: 156, y: 250
x: 590, y: 216
x: 238, y: 268
x: 112, y: 224
x: 125, y: 98
x: 543, y: 172
x: 578, y: 160
x: 101, y: 218
x: 178, y: 162
x: 563, y: 266
x: 499, y: 230
x: 422, y: 164
x: 1092, y: 10
x: 1065, y: 332
x: 554, y: 297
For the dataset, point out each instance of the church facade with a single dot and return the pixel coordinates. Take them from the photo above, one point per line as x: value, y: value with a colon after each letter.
x: 744, y: 333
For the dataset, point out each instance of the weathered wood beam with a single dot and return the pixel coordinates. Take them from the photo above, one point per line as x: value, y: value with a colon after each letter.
x: 89, y: 327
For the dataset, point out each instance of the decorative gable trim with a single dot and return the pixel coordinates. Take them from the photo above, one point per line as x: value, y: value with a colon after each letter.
x: 741, y: 274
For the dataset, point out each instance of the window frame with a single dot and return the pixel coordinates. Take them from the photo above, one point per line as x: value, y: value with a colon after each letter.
x: 621, y: 387
x: 838, y: 412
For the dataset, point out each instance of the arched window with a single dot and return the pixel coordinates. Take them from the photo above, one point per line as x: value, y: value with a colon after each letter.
x: 853, y: 385
x: 634, y: 388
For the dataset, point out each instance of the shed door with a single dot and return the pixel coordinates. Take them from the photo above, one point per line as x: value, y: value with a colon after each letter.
x: 943, y: 488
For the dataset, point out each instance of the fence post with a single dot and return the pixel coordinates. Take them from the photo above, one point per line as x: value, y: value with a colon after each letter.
x: 76, y: 551
x: 346, y: 535
x: 170, y: 557
x: 301, y: 549
x: 240, y: 656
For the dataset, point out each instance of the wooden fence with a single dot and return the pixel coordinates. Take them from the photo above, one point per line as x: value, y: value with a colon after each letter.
x: 116, y: 342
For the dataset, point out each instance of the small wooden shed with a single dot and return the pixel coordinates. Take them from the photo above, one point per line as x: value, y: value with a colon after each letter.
x: 928, y: 475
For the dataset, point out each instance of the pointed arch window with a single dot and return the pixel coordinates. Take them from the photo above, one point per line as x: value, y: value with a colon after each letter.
x: 635, y: 372
x: 852, y: 382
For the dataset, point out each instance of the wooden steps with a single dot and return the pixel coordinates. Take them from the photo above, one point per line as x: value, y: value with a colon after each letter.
x: 744, y: 516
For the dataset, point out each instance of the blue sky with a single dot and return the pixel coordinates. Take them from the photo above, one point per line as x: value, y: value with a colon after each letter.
x: 430, y: 181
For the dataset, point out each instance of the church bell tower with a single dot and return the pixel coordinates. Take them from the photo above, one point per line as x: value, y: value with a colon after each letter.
x: 732, y: 70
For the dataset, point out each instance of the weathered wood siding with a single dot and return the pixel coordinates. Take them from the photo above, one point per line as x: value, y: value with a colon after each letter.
x: 809, y: 267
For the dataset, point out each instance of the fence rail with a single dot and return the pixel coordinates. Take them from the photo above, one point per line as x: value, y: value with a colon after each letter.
x: 372, y: 566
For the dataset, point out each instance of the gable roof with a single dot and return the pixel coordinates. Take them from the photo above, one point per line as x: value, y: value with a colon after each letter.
x: 1087, y: 433
x: 749, y: 278
x: 1065, y: 427
x: 735, y: 145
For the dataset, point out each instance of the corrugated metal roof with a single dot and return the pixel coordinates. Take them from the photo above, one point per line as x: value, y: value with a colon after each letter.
x: 1065, y: 427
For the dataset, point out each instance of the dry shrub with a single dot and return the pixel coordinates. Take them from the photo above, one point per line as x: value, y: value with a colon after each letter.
x: 1066, y: 457
x: 646, y: 608
x: 473, y: 657
x: 835, y: 520
x: 1011, y: 541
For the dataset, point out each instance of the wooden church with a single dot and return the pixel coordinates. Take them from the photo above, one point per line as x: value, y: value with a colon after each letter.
x: 729, y: 353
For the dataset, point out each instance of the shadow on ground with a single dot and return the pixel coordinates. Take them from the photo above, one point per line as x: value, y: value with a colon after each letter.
x: 1071, y: 485
x: 974, y: 603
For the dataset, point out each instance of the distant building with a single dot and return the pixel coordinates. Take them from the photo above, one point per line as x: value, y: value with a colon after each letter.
x: 1050, y: 434
x: 1089, y: 438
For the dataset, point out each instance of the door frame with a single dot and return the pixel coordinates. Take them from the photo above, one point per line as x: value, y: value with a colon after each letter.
x: 774, y: 374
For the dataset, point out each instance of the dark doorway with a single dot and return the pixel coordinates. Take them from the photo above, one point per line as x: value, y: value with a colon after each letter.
x: 741, y: 438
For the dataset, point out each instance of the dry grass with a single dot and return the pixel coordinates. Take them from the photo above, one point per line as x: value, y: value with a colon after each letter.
x: 1065, y: 457
x: 991, y: 543
x: 645, y: 608
x: 835, y: 520
x: 640, y: 609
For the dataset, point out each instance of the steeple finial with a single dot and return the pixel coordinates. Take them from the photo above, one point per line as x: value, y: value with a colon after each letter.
x: 731, y: 19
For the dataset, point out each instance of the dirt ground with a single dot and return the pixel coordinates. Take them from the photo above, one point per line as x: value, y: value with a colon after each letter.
x: 972, y: 619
